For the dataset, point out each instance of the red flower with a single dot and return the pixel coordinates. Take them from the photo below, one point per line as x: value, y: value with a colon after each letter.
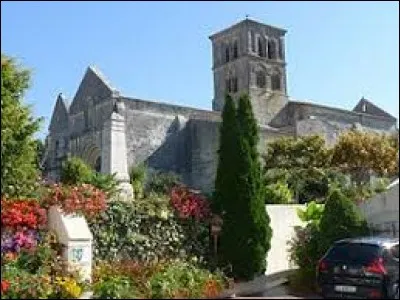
x: 188, y: 204
x: 5, y: 285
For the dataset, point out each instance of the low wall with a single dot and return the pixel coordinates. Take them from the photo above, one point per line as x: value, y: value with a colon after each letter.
x: 382, y: 211
x: 283, y: 220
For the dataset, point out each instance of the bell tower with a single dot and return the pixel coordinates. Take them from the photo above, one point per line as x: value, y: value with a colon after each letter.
x: 249, y: 57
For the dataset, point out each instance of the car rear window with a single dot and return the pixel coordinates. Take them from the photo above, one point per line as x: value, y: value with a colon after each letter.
x: 353, y: 252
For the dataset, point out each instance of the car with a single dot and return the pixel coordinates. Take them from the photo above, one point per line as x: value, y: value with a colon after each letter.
x: 360, y: 268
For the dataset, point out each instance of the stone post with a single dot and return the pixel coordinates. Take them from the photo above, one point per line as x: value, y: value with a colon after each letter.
x: 114, y: 152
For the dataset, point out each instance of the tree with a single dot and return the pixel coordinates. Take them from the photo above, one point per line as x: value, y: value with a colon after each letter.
x: 358, y: 153
x: 247, y: 221
x: 303, y: 163
x: 225, y: 182
x: 340, y: 220
x: 302, y: 152
x: 18, y: 148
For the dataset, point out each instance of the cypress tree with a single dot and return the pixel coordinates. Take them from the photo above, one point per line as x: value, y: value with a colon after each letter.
x: 225, y: 178
x: 254, y: 232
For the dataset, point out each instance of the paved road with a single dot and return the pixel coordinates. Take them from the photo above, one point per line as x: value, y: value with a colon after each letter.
x: 279, y: 292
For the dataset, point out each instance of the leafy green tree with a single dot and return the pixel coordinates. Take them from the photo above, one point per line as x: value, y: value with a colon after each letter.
x: 358, y: 153
x: 225, y: 183
x: 137, y: 176
x: 18, y: 148
x: 247, y: 220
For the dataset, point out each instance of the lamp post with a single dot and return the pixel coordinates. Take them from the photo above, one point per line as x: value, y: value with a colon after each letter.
x: 216, y: 226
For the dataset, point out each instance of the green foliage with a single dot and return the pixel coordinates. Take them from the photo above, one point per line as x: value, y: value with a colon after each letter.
x: 225, y: 182
x: 114, y: 287
x: 75, y: 171
x: 358, y: 153
x: 18, y: 148
x: 337, y: 219
x: 340, y: 219
x: 277, y: 193
x: 312, y: 213
x: 137, y: 177
x: 184, y: 280
x: 105, y: 182
x: 162, y: 182
x: 246, y: 233
x: 143, y: 231
x: 302, y: 152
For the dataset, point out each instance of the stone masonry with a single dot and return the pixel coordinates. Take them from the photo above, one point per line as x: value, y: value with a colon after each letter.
x: 248, y: 57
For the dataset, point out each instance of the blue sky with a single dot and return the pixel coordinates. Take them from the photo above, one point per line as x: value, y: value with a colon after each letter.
x: 336, y: 52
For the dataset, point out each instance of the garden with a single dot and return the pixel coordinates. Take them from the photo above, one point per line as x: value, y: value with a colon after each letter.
x: 158, y: 245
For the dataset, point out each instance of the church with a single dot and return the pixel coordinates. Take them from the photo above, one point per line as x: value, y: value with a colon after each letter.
x: 114, y: 132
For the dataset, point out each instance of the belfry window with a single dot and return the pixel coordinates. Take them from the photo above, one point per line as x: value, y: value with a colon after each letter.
x: 261, y: 48
x: 261, y: 80
x: 226, y: 54
x: 271, y: 49
x: 235, y: 50
x: 276, y: 82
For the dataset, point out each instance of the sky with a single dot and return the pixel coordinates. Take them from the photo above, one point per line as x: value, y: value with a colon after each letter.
x: 336, y: 52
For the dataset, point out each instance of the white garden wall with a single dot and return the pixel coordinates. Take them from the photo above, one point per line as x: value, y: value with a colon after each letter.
x: 382, y: 211
x: 283, y: 220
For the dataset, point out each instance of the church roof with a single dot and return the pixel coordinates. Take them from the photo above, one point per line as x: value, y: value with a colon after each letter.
x: 367, y: 107
x: 246, y: 21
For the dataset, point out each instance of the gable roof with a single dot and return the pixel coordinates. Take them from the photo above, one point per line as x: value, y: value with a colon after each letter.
x: 59, y: 119
x: 367, y: 107
x: 94, y: 85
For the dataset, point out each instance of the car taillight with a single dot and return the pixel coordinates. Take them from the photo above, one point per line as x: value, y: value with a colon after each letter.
x: 322, y: 266
x: 376, y: 267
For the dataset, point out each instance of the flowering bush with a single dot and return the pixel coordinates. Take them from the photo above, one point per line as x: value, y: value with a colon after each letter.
x: 188, y: 204
x: 22, y: 213
x: 83, y: 199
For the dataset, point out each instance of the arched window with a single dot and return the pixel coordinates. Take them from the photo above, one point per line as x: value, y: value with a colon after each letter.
x: 261, y: 79
x: 275, y: 82
x: 261, y: 47
x: 97, y: 166
x: 281, y: 49
x: 271, y: 49
x: 253, y: 41
x: 235, y: 50
x: 226, y: 54
x: 234, y: 84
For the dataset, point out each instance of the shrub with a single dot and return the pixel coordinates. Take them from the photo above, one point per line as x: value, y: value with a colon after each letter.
x: 125, y: 231
x: 183, y: 280
x: 189, y: 204
x: 338, y: 219
x: 113, y: 287
x: 137, y: 177
x: 75, y: 171
x: 278, y: 193
x: 83, y: 199
x: 162, y: 182
x: 105, y: 182
x: 25, y: 213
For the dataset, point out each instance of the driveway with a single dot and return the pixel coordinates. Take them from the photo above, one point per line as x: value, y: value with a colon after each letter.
x: 278, y: 292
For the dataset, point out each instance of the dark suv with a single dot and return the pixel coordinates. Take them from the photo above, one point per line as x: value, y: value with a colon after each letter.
x: 360, y: 268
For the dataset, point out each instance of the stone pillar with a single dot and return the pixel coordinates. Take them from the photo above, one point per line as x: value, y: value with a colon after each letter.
x: 266, y: 46
x: 114, y: 153
x: 249, y: 42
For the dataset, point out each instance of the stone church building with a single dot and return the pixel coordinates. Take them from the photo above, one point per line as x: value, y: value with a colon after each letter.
x: 113, y: 132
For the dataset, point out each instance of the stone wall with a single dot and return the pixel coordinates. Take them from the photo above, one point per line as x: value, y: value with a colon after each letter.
x: 382, y: 211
